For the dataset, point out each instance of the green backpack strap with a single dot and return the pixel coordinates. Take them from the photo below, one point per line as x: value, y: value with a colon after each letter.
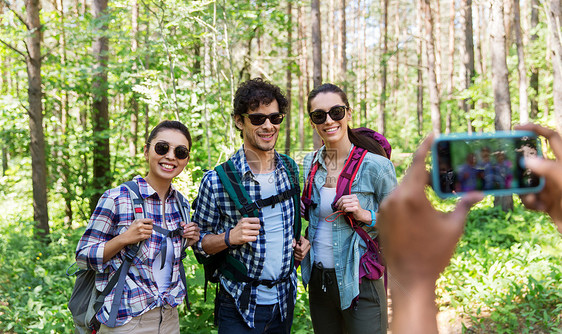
x: 230, y: 180
x: 291, y: 166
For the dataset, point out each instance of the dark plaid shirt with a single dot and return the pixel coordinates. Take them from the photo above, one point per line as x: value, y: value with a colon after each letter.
x: 215, y: 211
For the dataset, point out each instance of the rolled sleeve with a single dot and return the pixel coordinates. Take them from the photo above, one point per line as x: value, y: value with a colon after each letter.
x: 206, y: 211
x: 89, y: 252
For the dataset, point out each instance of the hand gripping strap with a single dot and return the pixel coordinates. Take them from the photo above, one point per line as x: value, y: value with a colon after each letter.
x: 348, y: 173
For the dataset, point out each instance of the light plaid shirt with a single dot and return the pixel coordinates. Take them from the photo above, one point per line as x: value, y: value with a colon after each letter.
x: 112, y: 216
x: 214, y: 211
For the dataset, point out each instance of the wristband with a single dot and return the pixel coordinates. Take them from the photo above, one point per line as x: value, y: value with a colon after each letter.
x: 227, y: 237
x: 373, y: 219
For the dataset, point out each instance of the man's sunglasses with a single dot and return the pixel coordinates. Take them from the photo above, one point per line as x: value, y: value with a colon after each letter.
x: 259, y: 119
x: 336, y: 113
x: 161, y: 148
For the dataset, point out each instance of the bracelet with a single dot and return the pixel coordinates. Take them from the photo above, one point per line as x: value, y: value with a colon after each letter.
x: 227, y: 237
x: 373, y: 219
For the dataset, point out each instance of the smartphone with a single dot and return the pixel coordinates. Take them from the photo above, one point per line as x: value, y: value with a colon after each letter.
x: 489, y: 162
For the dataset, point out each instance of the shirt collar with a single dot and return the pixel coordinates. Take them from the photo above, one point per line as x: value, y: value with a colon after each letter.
x: 241, y: 163
x: 147, y: 191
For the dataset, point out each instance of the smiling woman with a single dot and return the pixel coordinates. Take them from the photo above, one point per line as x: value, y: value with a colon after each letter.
x: 155, y: 288
x: 338, y: 303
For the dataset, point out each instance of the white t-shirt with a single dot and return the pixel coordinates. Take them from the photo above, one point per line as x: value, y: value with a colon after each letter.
x: 163, y: 277
x: 322, y: 244
x: 273, y: 226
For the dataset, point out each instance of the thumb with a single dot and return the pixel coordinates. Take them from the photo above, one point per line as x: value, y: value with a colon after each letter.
x: 546, y: 168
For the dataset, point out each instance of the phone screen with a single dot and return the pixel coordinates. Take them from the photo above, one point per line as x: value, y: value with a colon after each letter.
x: 486, y: 164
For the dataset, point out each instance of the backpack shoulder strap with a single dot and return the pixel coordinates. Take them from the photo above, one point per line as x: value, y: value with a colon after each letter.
x: 136, y: 198
x: 292, y: 167
x: 183, y: 206
x: 348, y: 173
x: 230, y: 180
x: 306, y: 197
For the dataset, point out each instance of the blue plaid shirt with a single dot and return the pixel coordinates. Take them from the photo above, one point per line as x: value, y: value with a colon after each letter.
x: 112, y: 216
x: 215, y: 212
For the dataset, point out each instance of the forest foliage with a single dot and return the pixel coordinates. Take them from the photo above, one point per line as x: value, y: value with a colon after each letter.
x: 400, y: 62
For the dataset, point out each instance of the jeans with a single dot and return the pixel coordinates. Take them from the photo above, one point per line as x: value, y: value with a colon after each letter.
x: 368, y: 317
x: 267, y: 318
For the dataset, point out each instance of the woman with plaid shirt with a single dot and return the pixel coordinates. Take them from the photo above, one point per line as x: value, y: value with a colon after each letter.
x: 153, y: 288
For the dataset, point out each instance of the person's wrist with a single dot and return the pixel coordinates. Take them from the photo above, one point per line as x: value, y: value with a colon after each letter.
x: 227, y: 238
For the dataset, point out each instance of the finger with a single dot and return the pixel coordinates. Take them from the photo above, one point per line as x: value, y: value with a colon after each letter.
x: 416, y: 174
x: 546, y: 168
x: 251, y: 220
x: 552, y: 136
x: 463, y: 206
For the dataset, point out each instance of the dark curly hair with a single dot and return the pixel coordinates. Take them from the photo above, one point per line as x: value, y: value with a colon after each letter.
x: 255, y: 92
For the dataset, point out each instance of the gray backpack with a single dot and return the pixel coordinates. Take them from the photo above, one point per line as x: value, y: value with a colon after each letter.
x: 86, y: 300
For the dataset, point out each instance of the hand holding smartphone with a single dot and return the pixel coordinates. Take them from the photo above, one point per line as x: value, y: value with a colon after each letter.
x: 489, y: 162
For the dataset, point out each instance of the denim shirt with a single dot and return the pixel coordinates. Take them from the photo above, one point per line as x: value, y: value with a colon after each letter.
x: 375, y: 179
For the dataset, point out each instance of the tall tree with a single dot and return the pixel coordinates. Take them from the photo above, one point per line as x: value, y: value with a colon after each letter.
x: 303, y: 60
x: 316, y: 56
x: 134, y: 125
x: 32, y: 56
x: 343, y: 43
x: 534, y: 80
x: 381, y: 119
x: 100, y: 112
x: 500, y: 81
x: 523, y: 100
x: 419, y: 68
x: 467, y: 55
x: 35, y: 111
x: 289, y: 75
x: 451, y: 66
x: 433, y: 87
x: 554, y: 14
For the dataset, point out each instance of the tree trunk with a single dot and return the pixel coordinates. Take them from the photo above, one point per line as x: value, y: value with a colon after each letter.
x: 330, y: 69
x: 301, y: 78
x: 432, y: 85
x: 64, y: 169
x: 100, y: 113
x: 381, y: 119
x: 554, y: 18
x: 316, y: 56
x: 134, y: 125
x: 534, y: 81
x: 34, y: 95
x: 437, y: 36
x: 4, y: 89
x: 289, y: 76
x: 450, y: 67
x: 523, y: 100
x: 343, y: 43
x: 467, y: 56
x: 500, y: 81
x: 419, y: 92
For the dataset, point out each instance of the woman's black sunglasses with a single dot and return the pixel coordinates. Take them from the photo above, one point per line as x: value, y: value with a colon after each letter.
x: 336, y: 113
x: 161, y: 148
x: 259, y: 119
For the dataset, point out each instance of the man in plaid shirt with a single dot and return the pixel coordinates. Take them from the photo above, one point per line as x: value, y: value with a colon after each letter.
x: 264, y: 244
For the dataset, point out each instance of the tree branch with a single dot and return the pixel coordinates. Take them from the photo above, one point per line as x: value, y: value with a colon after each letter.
x: 16, y: 14
x: 13, y: 48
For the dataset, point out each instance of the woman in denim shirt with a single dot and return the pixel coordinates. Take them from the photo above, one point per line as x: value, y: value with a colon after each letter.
x: 332, y: 266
